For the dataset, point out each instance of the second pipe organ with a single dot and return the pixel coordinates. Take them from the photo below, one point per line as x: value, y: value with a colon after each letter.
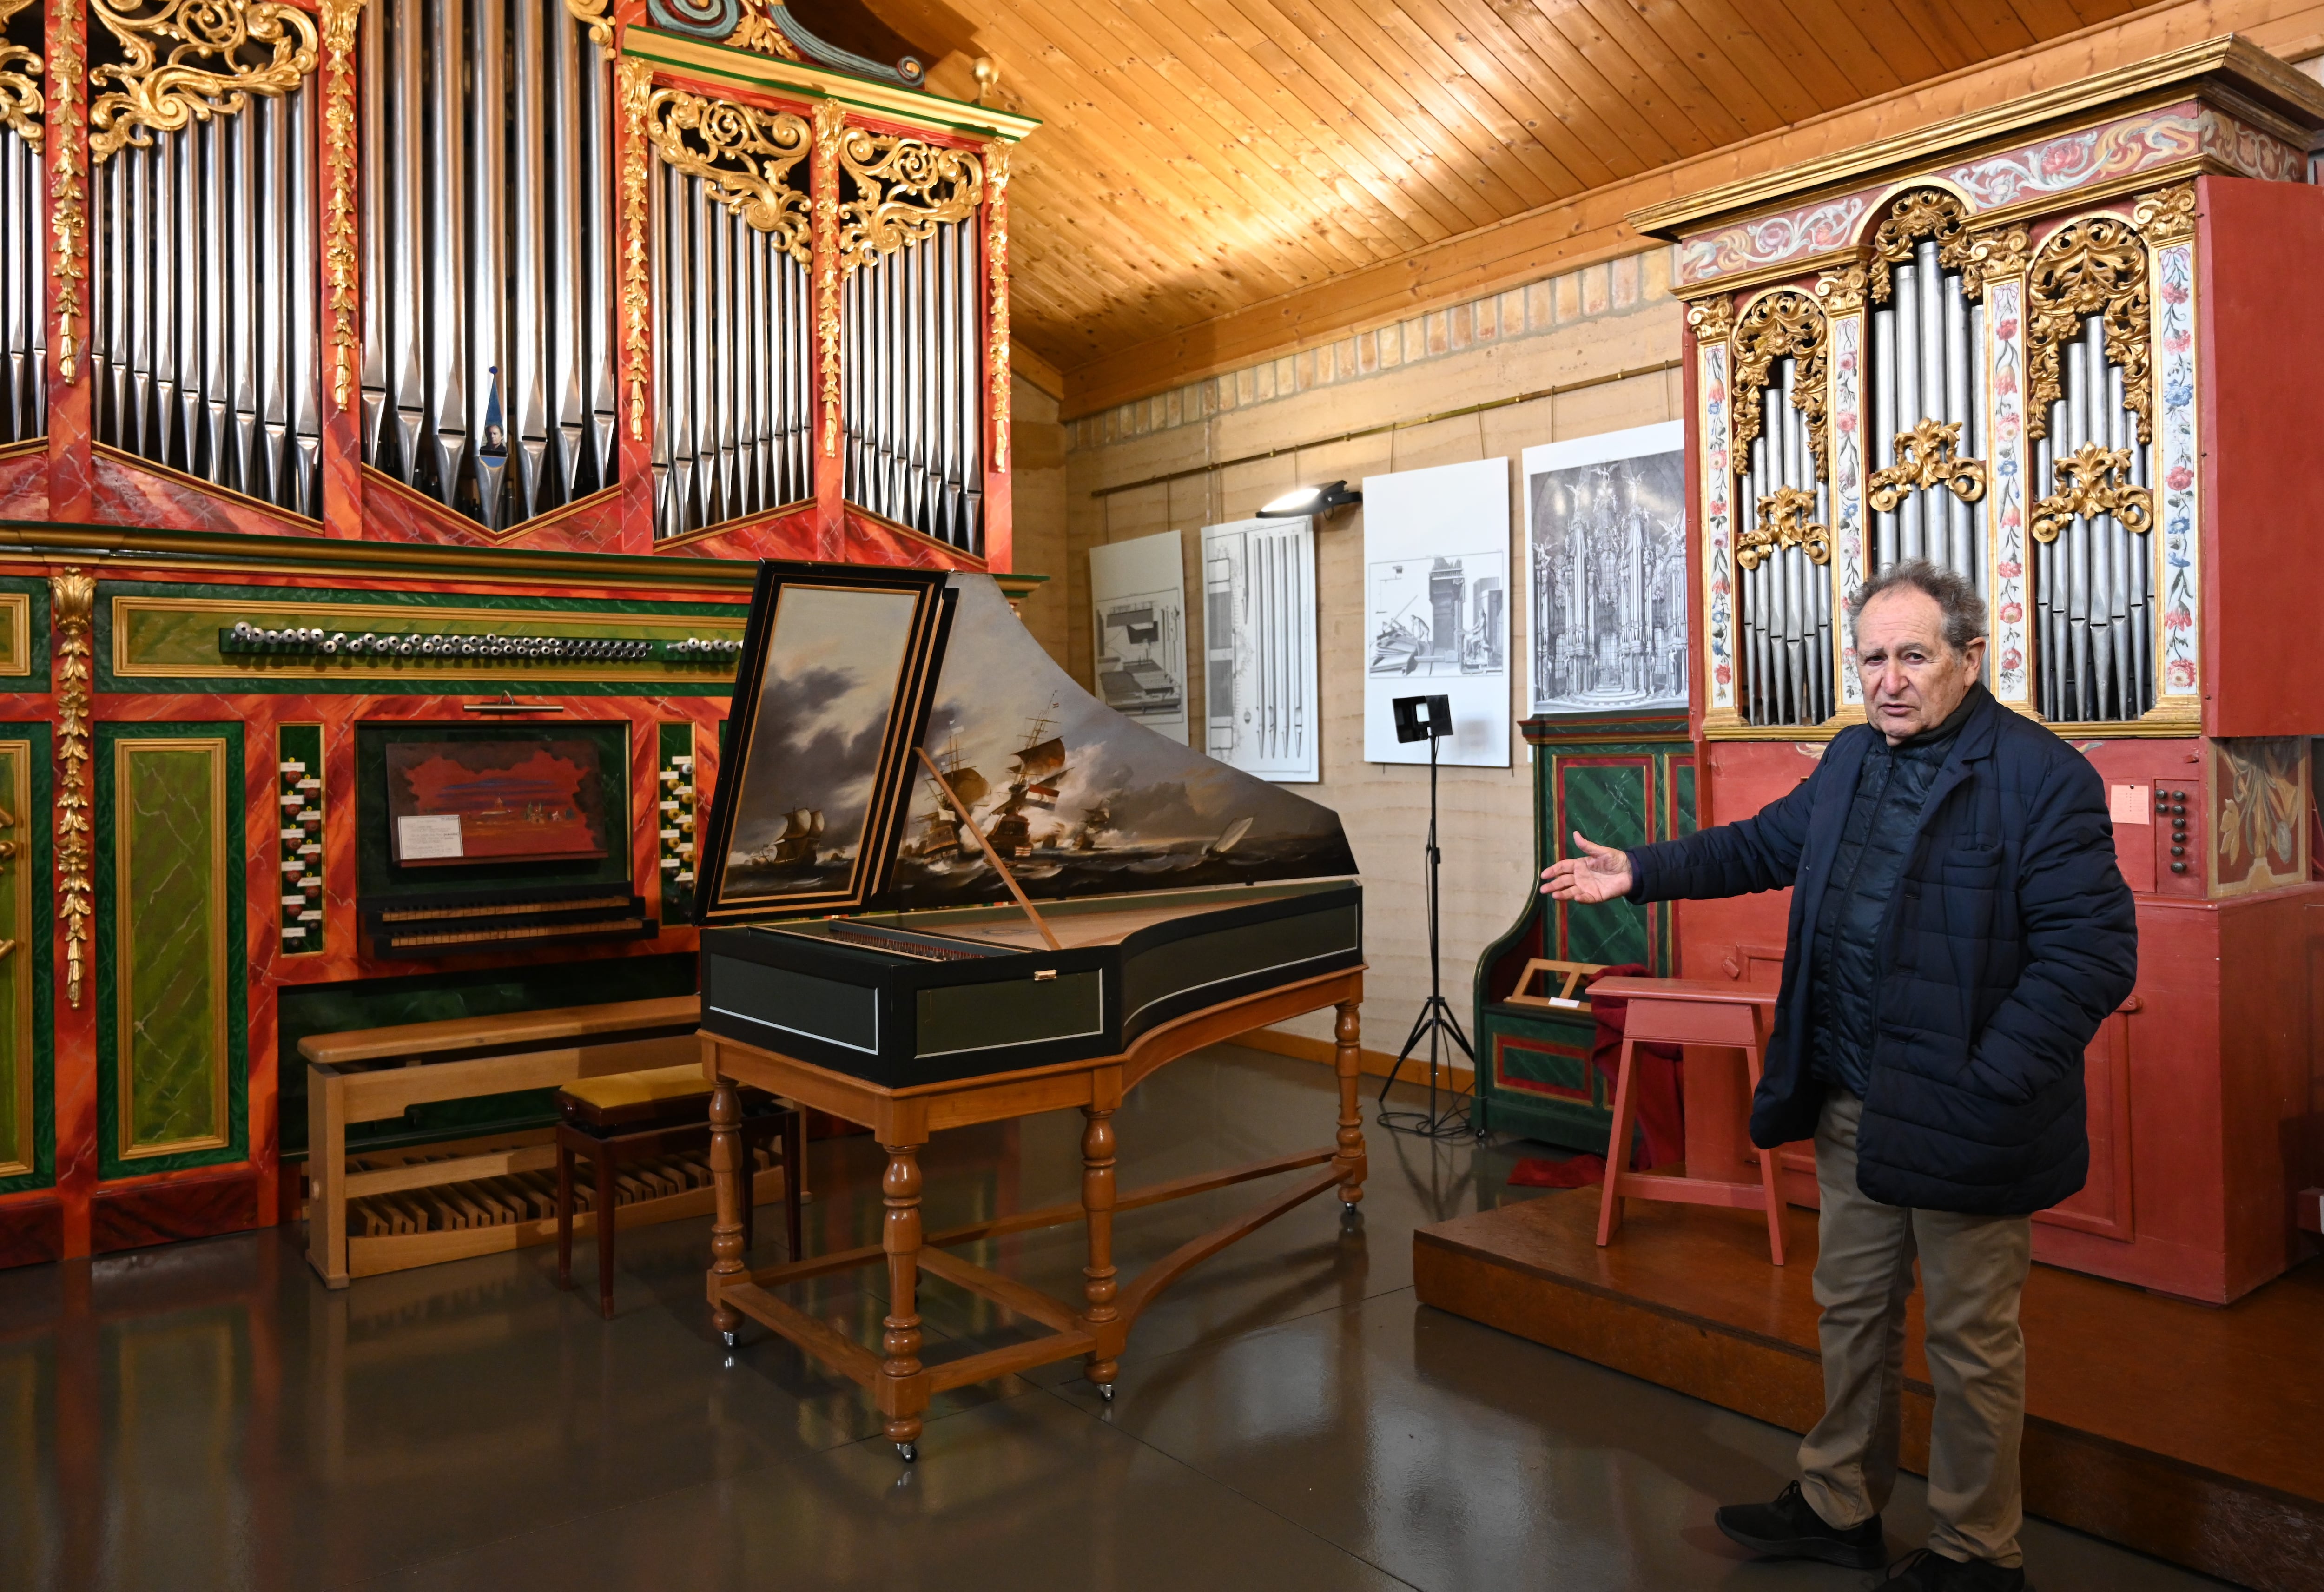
x: 517, y: 269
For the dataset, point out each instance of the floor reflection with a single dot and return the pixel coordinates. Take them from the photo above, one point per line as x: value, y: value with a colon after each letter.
x: 209, y: 1416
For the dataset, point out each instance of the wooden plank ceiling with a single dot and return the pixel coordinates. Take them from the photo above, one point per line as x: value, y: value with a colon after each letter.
x: 1202, y: 156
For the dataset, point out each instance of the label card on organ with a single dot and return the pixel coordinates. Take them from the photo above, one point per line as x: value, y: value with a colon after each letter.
x: 2128, y: 803
x: 420, y: 836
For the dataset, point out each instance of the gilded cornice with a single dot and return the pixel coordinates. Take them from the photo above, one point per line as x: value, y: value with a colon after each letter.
x: 2228, y: 72
x: 803, y: 81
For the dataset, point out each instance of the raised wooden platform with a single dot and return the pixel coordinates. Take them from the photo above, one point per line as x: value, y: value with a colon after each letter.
x: 2191, y: 1433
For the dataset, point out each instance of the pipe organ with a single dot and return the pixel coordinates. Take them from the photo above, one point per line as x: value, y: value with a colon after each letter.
x: 400, y: 385
x: 522, y: 272
x: 2059, y: 348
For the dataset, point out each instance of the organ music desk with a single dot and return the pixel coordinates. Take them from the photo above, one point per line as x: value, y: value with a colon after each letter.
x: 943, y: 884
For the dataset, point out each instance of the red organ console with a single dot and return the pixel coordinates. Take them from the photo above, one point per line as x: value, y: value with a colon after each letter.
x: 2058, y: 346
x: 396, y: 385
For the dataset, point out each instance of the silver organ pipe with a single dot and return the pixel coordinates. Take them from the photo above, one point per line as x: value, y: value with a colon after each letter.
x: 734, y: 346
x: 23, y: 293
x: 1927, y: 363
x: 487, y: 368
x: 205, y: 325
x: 2094, y: 591
x: 1785, y: 595
x: 911, y: 322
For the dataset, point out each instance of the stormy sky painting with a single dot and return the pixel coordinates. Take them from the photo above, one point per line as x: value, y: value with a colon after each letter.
x: 996, y: 682
x: 824, y: 700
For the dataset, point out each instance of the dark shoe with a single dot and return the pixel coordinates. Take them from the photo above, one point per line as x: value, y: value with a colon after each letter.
x: 1927, y: 1571
x: 1790, y: 1528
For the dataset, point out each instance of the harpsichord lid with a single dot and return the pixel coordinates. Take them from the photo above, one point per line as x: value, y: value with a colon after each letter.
x: 894, y: 729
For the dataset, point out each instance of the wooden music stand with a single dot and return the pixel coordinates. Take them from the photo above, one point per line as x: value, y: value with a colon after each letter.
x: 1574, y: 972
x: 1687, y: 1011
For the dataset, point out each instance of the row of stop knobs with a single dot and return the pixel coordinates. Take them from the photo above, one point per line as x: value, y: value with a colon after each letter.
x: 2172, y: 803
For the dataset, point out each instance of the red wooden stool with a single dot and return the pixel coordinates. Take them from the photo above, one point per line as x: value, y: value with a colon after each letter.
x: 1687, y: 1011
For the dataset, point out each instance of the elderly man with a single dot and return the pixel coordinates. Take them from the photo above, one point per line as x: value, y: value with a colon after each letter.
x: 1959, y: 930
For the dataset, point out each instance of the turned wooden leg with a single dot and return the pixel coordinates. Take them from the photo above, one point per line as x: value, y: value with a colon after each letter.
x: 1347, y: 1060
x: 1098, y: 1287
x: 901, y: 1341
x: 726, y: 1174
x: 794, y: 1181
x: 604, y: 1160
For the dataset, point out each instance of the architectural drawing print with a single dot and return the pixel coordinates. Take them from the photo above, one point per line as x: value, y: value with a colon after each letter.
x: 1606, y: 564
x: 1441, y: 614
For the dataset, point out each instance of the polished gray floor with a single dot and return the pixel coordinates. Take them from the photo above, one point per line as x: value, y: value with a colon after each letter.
x: 206, y: 1416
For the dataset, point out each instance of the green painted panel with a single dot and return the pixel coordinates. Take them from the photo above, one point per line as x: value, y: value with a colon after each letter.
x: 1683, y: 785
x: 1609, y: 804
x: 27, y: 1073
x: 172, y: 1030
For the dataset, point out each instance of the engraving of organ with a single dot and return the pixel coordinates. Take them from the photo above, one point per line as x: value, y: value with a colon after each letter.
x: 504, y: 270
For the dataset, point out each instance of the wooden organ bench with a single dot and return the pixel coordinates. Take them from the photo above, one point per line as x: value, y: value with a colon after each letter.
x: 386, y: 1210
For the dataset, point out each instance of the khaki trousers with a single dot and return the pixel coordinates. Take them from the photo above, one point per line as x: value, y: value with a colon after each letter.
x: 1972, y: 1269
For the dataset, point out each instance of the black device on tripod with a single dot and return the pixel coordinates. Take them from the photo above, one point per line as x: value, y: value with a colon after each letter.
x: 1430, y: 719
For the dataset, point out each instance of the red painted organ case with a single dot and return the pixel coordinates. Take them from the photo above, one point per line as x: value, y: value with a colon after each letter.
x: 2058, y: 346
x: 371, y: 391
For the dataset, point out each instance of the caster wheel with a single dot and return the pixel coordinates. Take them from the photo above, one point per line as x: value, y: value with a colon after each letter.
x: 731, y: 1338
x: 1105, y: 1390
x: 908, y: 1453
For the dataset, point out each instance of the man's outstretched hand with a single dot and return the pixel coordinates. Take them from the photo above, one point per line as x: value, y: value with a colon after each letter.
x: 1602, y: 873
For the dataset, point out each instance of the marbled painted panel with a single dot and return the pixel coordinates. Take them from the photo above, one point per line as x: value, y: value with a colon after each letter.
x: 1610, y: 801
x: 24, y: 482
x: 132, y: 492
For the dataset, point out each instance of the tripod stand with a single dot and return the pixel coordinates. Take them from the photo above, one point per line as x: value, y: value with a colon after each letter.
x: 1436, y: 1022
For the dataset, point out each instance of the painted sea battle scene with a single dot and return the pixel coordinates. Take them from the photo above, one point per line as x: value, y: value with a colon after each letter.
x: 1017, y: 762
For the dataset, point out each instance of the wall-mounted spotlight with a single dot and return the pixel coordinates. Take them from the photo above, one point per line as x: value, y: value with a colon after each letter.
x: 1312, y: 500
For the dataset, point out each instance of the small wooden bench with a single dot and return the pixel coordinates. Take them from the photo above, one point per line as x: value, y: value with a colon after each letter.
x: 448, y: 1202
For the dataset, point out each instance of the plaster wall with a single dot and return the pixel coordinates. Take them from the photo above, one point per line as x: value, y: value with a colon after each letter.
x: 1580, y: 327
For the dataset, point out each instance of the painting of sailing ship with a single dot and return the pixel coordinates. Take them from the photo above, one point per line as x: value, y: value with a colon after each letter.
x: 827, y: 695
x: 1075, y: 798
x: 454, y: 802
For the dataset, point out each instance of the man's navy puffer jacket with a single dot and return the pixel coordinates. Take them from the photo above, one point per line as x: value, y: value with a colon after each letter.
x: 2010, y: 938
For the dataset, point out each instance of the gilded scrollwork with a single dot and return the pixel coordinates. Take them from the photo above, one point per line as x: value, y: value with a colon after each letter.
x: 1785, y: 322
x: 1841, y: 291
x: 2093, y: 481
x: 996, y: 277
x: 1925, y: 457
x: 1994, y: 256
x: 72, y: 595
x: 1713, y: 319
x: 1784, y: 523
x: 1916, y: 215
x: 633, y: 91
x: 746, y: 157
x: 2096, y: 266
x: 2166, y: 215
x: 19, y: 81
x: 830, y: 129
x: 68, y: 188
x: 598, y: 16
x: 905, y: 189
x: 208, y: 69
x: 339, y: 241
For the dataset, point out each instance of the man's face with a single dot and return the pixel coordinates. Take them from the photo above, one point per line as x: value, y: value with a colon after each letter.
x: 1911, y: 680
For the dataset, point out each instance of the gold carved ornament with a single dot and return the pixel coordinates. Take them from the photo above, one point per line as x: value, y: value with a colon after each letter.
x: 67, y: 192
x: 830, y: 126
x: 2094, y: 481
x: 19, y: 81
x: 339, y: 267
x: 757, y: 34
x: 205, y: 72
x: 1920, y: 213
x: 1925, y: 458
x: 1786, y: 322
x: 1712, y: 321
x: 905, y: 189
x: 598, y: 16
x: 996, y: 277
x: 744, y: 156
x: 1841, y: 291
x: 1994, y: 256
x: 1784, y: 523
x: 2094, y: 266
x: 2166, y: 215
x: 634, y: 90
x: 73, y: 594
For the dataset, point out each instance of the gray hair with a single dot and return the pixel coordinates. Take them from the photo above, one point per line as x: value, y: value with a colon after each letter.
x: 1964, y: 610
